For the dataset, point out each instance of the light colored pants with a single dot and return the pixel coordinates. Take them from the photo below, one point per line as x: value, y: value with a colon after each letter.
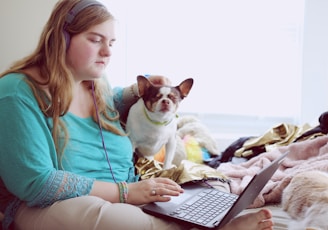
x: 88, y: 213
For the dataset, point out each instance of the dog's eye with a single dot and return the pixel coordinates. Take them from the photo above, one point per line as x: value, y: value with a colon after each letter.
x: 173, y: 97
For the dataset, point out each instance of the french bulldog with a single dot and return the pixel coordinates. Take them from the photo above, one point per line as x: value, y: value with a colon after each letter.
x: 152, y: 120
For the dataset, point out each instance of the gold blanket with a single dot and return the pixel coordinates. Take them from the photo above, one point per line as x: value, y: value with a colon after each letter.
x: 187, y: 171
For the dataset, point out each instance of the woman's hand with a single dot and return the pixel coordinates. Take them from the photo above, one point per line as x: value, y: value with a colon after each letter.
x: 152, y: 190
x: 159, y: 80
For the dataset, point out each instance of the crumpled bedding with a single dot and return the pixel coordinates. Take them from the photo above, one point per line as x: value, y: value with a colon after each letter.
x: 186, y: 172
x: 307, y: 155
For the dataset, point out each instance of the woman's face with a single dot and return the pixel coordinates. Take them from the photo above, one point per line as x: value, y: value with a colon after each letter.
x: 89, y: 52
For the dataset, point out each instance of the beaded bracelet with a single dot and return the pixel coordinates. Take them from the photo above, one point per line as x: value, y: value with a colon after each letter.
x: 123, y: 191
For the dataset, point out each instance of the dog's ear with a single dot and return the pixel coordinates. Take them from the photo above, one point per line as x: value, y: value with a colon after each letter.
x: 185, y: 87
x: 143, y: 85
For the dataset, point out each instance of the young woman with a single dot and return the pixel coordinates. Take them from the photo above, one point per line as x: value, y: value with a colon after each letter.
x: 65, y: 161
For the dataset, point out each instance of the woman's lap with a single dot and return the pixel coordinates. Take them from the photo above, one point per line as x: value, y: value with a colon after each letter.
x: 87, y: 212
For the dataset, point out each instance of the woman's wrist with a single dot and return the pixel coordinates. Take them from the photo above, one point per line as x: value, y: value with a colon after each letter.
x: 130, y: 95
x: 134, y: 91
x: 123, y: 191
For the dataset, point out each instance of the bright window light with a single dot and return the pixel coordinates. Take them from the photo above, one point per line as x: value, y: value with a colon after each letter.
x: 245, y: 56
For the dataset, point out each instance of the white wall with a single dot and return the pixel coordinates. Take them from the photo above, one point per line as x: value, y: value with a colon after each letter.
x: 21, y: 22
x: 315, y: 60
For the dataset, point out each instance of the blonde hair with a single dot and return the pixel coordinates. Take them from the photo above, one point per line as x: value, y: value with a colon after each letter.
x: 50, y: 58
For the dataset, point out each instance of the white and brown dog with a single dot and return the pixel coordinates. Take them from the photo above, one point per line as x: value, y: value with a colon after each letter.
x: 152, y: 123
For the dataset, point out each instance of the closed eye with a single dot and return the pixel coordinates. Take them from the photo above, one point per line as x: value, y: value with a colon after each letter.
x: 96, y: 41
x: 173, y: 97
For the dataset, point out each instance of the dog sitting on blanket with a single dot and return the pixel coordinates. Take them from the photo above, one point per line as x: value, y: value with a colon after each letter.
x: 152, y: 122
x: 305, y: 199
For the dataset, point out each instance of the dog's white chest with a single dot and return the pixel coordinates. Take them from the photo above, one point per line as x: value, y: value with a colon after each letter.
x: 149, y: 136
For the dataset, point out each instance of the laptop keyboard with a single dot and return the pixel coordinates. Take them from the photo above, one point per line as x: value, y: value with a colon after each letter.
x: 204, y: 207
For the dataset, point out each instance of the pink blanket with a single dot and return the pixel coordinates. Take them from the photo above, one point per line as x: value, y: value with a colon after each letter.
x: 304, y: 156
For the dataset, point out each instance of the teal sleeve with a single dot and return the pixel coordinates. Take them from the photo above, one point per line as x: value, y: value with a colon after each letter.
x: 28, y: 165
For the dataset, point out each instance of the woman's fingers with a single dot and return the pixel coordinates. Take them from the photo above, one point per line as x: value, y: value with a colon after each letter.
x: 153, y: 190
x: 165, y: 187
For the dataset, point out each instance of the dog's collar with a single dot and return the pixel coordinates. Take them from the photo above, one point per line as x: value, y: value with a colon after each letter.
x: 164, y: 123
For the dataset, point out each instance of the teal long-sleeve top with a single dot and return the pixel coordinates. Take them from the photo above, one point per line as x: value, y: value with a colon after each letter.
x: 29, y: 168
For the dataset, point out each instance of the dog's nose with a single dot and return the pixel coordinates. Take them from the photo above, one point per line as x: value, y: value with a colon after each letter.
x: 165, y: 102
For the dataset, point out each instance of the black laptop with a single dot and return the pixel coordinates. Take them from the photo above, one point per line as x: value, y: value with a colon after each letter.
x: 208, y: 208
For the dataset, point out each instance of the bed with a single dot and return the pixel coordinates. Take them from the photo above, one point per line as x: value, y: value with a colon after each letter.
x: 304, y: 156
x: 308, y: 153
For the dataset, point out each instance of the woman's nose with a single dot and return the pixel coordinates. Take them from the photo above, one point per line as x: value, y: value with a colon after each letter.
x: 106, y: 51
